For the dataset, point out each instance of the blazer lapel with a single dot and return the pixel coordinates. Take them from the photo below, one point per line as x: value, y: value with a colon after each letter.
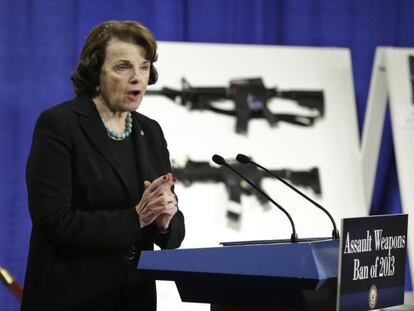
x: 92, y: 125
x: 140, y: 149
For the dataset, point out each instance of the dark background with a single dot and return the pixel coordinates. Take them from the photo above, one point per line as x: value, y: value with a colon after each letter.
x: 40, y: 42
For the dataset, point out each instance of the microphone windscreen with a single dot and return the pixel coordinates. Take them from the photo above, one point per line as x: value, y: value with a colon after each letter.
x: 243, y: 158
x: 218, y: 159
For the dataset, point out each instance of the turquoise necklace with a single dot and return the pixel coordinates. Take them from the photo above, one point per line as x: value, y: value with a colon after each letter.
x: 116, y: 135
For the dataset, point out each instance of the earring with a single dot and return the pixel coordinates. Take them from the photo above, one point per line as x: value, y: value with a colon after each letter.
x: 97, y: 88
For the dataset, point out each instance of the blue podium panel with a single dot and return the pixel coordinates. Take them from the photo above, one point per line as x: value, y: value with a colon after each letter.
x: 283, y: 274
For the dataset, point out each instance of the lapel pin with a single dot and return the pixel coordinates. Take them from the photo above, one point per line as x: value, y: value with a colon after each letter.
x: 142, y: 133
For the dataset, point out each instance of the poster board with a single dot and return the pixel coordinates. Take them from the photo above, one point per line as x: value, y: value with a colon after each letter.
x: 331, y: 144
x: 391, y: 83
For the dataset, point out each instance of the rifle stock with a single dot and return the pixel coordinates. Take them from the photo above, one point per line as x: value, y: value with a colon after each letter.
x: 308, y: 99
x: 305, y: 179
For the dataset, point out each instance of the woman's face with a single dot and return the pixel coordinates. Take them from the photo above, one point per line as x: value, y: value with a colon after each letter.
x: 124, y: 76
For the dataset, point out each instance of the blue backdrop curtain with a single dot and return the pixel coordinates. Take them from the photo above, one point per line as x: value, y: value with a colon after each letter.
x: 40, y: 42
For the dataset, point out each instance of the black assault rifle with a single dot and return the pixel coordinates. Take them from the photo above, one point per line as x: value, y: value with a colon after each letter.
x: 251, y: 99
x: 201, y: 171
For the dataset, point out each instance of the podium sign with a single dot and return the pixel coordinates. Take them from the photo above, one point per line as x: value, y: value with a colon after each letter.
x: 372, y: 262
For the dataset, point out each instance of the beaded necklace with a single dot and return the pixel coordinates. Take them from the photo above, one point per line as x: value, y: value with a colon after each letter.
x: 116, y: 135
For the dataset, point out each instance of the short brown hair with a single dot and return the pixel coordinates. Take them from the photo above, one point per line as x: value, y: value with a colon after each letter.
x: 85, y: 79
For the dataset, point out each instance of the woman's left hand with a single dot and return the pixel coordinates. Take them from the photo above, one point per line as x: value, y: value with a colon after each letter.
x: 170, y: 208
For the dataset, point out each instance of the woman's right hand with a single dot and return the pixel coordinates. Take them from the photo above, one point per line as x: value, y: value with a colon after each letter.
x: 156, y: 200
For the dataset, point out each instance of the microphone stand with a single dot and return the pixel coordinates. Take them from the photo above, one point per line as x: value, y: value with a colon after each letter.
x: 220, y: 161
x: 247, y: 160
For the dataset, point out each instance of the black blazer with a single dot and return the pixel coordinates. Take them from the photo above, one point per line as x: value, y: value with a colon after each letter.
x: 86, y: 238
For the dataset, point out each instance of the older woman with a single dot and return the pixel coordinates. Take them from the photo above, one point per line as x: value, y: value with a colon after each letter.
x: 99, y: 182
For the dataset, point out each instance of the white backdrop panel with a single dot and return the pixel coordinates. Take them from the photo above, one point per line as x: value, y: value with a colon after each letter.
x: 402, y: 119
x: 331, y: 144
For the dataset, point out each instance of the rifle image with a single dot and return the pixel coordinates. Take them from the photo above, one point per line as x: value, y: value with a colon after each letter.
x: 11, y: 283
x: 251, y: 99
x: 194, y: 171
x: 411, y: 65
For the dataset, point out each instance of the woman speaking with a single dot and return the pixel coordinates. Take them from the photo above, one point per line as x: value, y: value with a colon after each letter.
x: 99, y: 182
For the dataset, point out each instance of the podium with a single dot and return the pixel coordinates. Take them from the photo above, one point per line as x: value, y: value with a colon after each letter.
x: 276, y: 276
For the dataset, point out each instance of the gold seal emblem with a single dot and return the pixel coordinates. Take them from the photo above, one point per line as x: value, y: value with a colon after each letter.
x: 372, y: 297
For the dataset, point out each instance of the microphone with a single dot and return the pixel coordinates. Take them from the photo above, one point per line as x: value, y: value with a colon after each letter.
x: 222, y: 162
x: 247, y: 160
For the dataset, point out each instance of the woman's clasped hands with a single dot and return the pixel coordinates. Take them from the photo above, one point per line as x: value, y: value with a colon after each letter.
x: 158, y: 203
